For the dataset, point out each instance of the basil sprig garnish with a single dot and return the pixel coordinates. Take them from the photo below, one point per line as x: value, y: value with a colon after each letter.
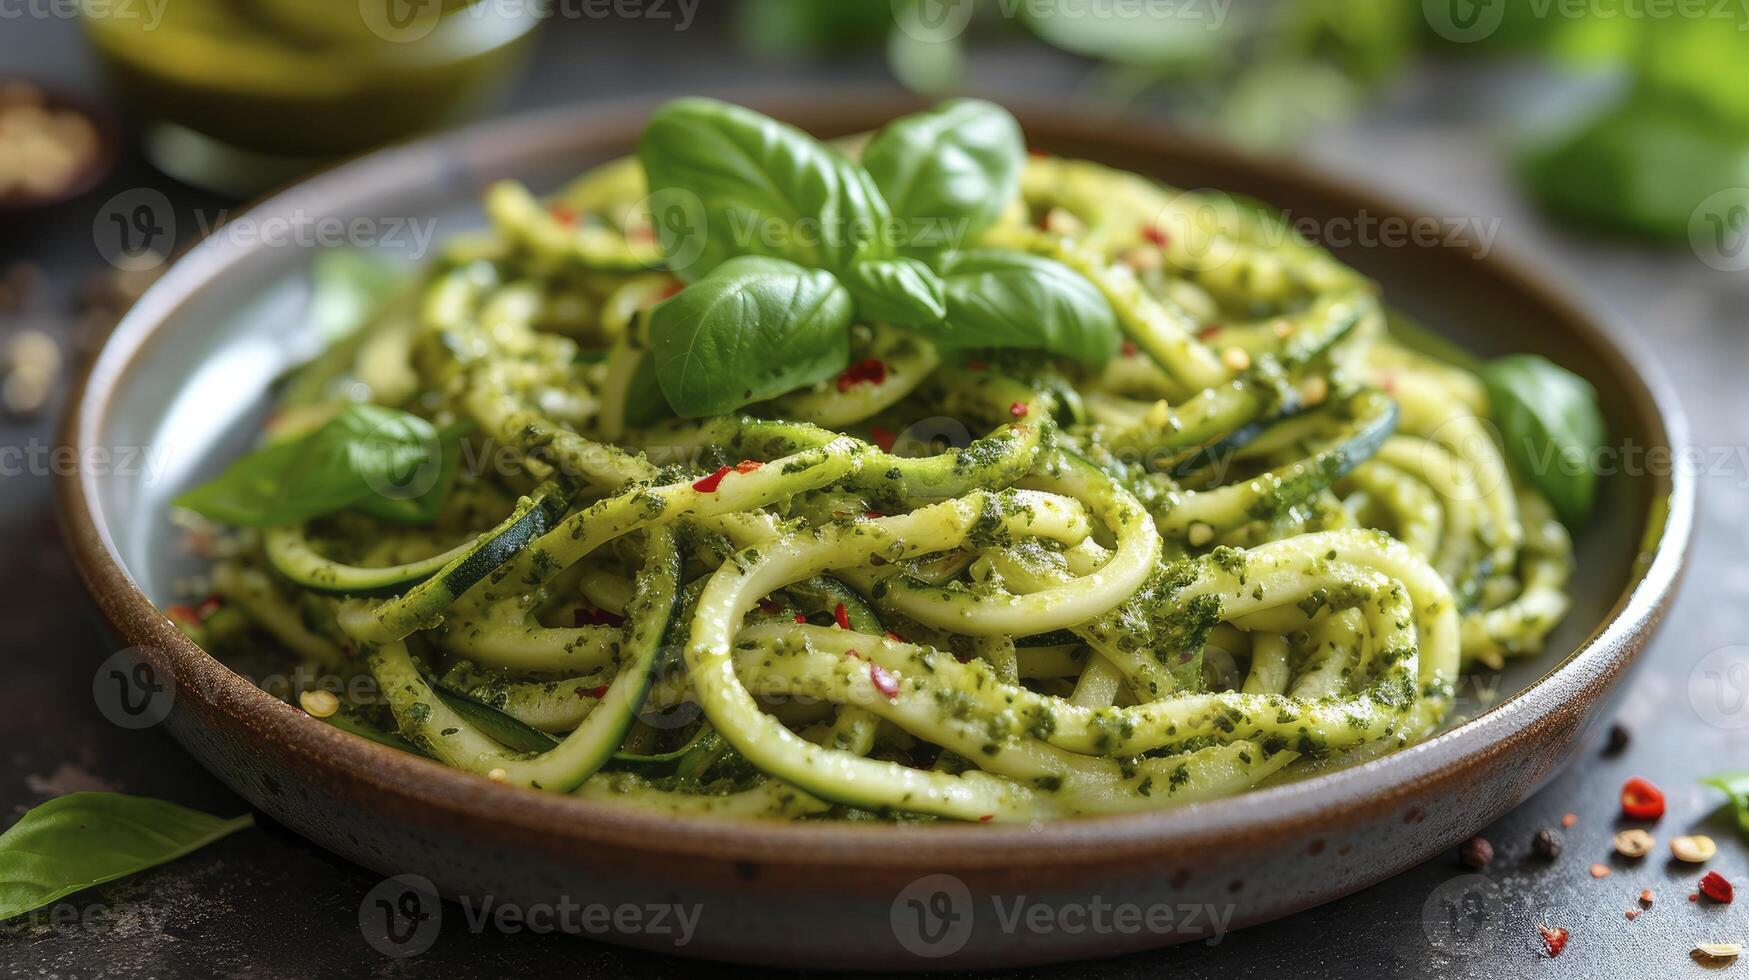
x: 1551, y: 428
x: 797, y: 241
x: 387, y: 463
x: 82, y: 839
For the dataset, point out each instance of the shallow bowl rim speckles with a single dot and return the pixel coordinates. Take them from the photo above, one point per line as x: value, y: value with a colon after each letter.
x: 1536, y: 728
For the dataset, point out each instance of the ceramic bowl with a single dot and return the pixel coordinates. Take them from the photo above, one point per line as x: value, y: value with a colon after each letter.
x: 182, y: 384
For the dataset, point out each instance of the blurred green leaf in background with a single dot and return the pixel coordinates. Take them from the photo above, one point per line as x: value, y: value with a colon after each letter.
x: 1672, y: 134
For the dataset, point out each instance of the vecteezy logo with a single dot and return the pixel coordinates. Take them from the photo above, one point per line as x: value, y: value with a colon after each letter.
x: 135, y: 230
x: 678, y: 220
x: 1459, y: 917
x: 1464, y: 21
x: 932, y: 916
x: 932, y: 21
x: 132, y: 690
x: 1718, y: 688
x: 400, y: 21
x: 401, y: 916
x: 1718, y: 229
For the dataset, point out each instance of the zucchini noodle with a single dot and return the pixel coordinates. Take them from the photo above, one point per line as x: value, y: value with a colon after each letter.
x: 976, y: 585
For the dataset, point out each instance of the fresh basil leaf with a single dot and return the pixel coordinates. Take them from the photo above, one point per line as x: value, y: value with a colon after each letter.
x: 247, y: 494
x: 900, y: 291
x: 998, y: 298
x: 422, y: 508
x: 763, y: 188
x: 948, y: 172
x: 1551, y: 427
x: 753, y: 329
x: 645, y: 403
x: 364, y: 450
x: 1736, y: 786
x: 82, y: 839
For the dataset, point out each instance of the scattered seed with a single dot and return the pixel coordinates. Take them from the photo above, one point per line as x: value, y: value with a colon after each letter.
x: 1695, y: 849
x: 1645, y: 896
x: 1546, y: 844
x: 1600, y: 871
x: 1716, y: 951
x: 1632, y: 914
x: 319, y: 704
x: 1476, y: 853
x: 498, y: 775
x: 1618, y: 740
x: 1634, y: 843
x: 1235, y: 358
x: 1569, y: 819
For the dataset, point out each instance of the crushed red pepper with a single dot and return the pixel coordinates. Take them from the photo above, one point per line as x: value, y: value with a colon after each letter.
x: 1640, y: 800
x: 841, y: 616
x: 873, y: 370
x: 1554, y: 940
x: 1714, y: 886
x: 883, y: 437
x: 884, y: 682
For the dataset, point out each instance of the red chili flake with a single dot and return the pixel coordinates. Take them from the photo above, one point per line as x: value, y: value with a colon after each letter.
x: 852, y: 654
x: 1646, y: 896
x: 986, y: 818
x: 183, y: 614
x: 896, y: 638
x: 888, y: 685
x: 747, y: 465
x: 1128, y: 348
x: 596, y: 617
x: 841, y: 616
x: 597, y: 692
x: 1715, y: 887
x: 208, y: 606
x: 1694, y: 896
x: 1155, y: 235
x: 1600, y: 871
x: 1033, y: 151
x: 1640, y: 800
x: 1633, y: 914
x: 873, y: 515
x: 1569, y: 819
x: 1554, y: 940
x: 976, y: 365
x: 710, y: 483
x: 671, y: 289
x: 883, y: 437
x: 562, y: 214
x: 1017, y: 409
x: 801, y: 618
x: 1208, y: 331
x: 872, y: 369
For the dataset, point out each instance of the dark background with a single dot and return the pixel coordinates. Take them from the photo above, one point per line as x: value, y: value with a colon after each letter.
x: 266, y: 904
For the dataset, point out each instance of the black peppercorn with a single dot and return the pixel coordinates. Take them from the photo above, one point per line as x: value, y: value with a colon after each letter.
x: 1546, y: 844
x: 1618, y: 740
x: 1476, y: 853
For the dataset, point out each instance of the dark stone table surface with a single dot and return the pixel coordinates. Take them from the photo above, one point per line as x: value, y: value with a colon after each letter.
x: 265, y: 904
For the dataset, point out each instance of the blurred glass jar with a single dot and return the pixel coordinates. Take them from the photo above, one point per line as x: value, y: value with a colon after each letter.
x: 239, y: 94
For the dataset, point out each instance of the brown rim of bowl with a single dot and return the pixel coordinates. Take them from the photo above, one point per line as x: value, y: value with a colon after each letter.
x: 420, y: 791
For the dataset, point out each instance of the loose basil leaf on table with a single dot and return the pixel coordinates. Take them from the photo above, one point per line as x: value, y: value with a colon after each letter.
x: 1551, y: 427
x: 765, y: 188
x: 1736, y: 786
x: 949, y: 171
x: 73, y: 842
x: 901, y: 291
x: 364, y: 452
x: 753, y: 329
x: 999, y: 298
